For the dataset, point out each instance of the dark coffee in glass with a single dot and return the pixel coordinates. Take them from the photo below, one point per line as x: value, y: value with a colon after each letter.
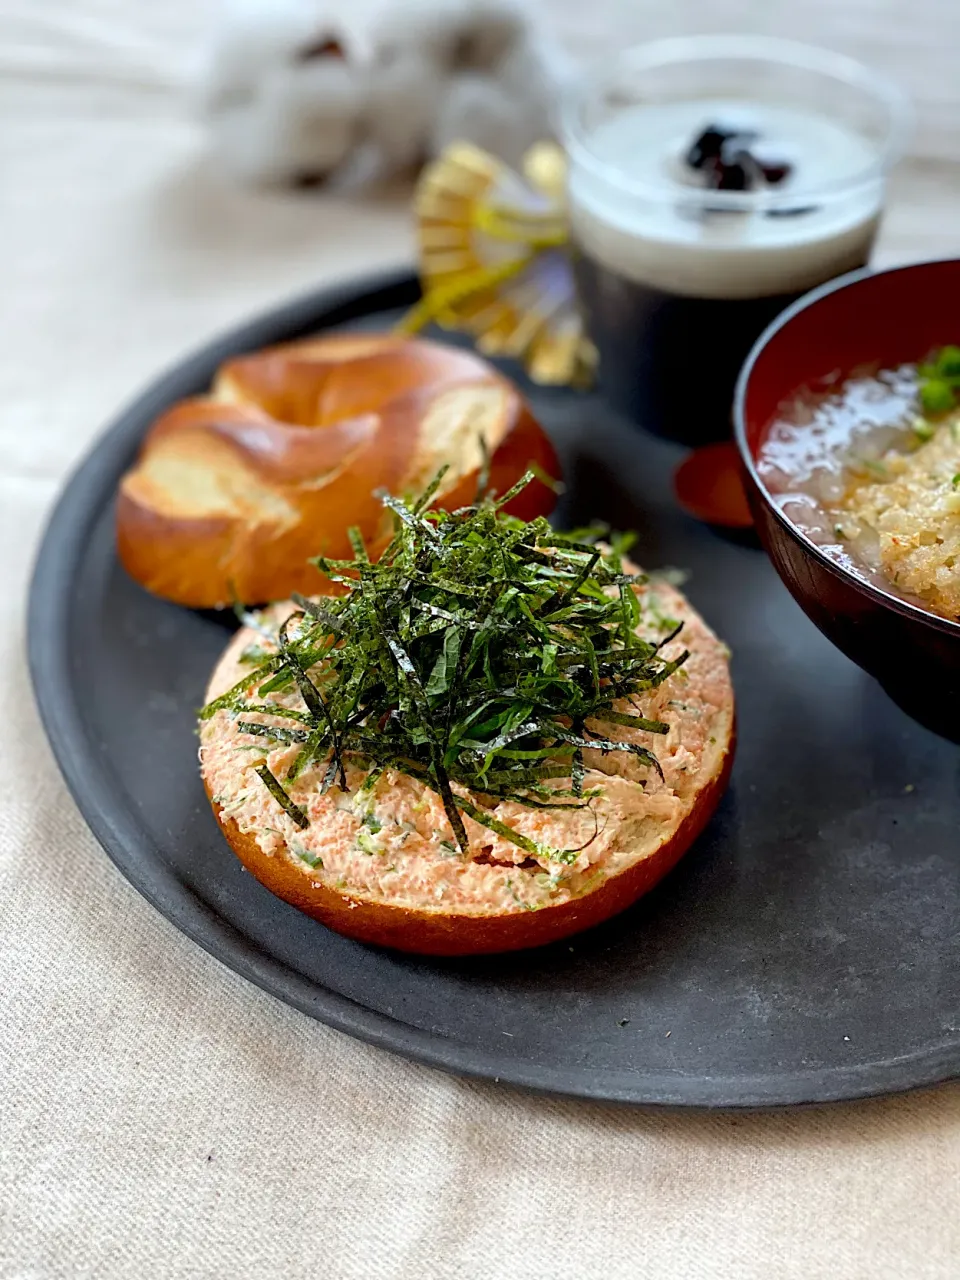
x: 712, y: 181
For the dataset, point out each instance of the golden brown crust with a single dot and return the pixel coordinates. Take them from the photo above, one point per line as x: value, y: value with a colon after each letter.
x: 491, y: 900
x: 433, y: 932
x: 232, y: 492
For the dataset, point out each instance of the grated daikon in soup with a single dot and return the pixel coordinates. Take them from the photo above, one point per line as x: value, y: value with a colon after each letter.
x: 865, y: 475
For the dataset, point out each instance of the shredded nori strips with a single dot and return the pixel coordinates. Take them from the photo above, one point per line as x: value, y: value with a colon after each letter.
x: 479, y: 652
x: 281, y: 797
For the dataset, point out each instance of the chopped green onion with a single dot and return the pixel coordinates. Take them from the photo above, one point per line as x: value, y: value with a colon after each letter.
x: 923, y: 429
x: 940, y: 381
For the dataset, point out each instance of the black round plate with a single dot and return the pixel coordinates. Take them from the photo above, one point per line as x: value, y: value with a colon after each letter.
x: 806, y: 949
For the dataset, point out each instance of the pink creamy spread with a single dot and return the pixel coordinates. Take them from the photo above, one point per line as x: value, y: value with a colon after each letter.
x: 394, y: 844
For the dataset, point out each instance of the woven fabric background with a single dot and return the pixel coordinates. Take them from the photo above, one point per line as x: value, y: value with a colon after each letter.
x: 160, y: 1118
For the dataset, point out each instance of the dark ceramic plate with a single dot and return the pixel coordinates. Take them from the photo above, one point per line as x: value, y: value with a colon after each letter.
x: 806, y: 949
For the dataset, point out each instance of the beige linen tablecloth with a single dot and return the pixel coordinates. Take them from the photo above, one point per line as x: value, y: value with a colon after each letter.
x: 159, y: 1117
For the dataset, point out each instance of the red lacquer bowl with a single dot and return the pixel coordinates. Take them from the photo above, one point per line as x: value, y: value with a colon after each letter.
x: 894, y: 317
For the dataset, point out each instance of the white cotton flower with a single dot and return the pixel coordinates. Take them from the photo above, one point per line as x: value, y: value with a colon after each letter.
x: 302, y: 89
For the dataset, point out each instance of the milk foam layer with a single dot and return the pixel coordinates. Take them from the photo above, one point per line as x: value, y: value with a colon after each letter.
x: 656, y: 234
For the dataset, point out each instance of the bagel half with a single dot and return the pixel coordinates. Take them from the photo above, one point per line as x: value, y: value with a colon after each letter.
x: 233, y: 491
x: 382, y: 867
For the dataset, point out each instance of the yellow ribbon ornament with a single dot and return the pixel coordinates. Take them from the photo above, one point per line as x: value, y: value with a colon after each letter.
x: 495, y: 260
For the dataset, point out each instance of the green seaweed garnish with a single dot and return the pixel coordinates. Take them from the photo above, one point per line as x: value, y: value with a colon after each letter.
x: 272, y: 731
x: 479, y: 653
x: 283, y: 800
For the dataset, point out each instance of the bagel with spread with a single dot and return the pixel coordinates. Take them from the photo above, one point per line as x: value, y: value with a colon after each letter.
x: 496, y: 738
x: 234, y: 490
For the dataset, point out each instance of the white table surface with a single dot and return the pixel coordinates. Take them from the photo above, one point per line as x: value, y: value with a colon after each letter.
x: 159, y: 1117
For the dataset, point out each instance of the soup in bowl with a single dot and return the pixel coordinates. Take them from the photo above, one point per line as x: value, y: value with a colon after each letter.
x: 848, y: 424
